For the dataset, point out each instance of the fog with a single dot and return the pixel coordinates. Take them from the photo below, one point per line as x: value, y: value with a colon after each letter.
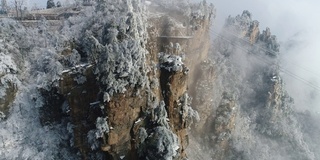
x: 296, y: 25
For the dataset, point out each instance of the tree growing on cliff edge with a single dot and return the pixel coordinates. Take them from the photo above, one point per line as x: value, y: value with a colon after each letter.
x: 58, y: 4
x: 4, y: 7
x: 50, y: 4
x: 18, y: 6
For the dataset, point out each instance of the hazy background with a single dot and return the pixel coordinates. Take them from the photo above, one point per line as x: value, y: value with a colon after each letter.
x: 297, y: 26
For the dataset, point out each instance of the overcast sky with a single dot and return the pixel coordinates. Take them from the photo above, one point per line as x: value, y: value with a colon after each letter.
x: 296, y: 24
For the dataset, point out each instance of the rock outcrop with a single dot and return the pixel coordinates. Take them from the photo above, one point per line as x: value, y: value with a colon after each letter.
x: 8, y: 91
x: 244, y: 27
x: 9, y: 68
x: 131, y: 101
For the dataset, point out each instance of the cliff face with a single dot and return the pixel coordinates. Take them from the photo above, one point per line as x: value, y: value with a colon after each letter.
x: 9, y: 90
x: 146, y: 112
x: 9, y: 68
x: 112, y: 83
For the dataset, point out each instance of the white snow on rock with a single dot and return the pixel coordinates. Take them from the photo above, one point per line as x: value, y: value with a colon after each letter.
x: 171, y: 62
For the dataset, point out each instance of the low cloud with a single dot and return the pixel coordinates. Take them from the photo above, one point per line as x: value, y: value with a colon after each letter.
x: 296, y: 25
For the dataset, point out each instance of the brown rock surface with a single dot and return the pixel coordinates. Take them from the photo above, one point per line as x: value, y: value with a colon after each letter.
x: 79, y: 97
x: 128, y: 113
x: 8, y: 98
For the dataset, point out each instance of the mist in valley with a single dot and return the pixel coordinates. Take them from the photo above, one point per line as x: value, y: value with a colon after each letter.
x: 247, y: 71
x: 297, y: 29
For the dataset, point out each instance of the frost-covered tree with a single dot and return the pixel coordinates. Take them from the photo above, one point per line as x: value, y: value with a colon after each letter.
x: 43, y: 30
x: 58, y: 4
x: 114, y: 39
x: 50, y: 4
x: 162, y: 144
x: 23, y: 58
x: 159, y: 142
x: 19, y: 6
x: 161, y: 115
x: 4, y: 7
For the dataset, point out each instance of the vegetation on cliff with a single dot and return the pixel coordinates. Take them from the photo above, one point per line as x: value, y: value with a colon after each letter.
x: 116, y: 81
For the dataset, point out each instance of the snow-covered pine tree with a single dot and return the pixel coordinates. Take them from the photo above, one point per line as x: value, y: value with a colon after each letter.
x: 50, y: 4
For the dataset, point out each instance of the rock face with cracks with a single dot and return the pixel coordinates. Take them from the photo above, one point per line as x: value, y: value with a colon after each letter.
x: 131, y: 100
